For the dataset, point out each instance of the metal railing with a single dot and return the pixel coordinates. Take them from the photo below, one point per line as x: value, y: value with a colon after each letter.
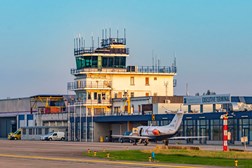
x: 80, y: 51
x: 79, y: 85
x: 157, y: 69
x: 79, y: 71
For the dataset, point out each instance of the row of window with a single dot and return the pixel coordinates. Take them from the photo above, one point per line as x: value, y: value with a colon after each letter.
x: 147, y: 80
x: 132, y: 94
x: 34, y: 131
x: 106, y: 62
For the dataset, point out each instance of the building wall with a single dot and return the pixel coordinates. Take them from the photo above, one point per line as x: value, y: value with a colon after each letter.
x: 101, y: 130
x: 122, y: 82
x: 15, y: 105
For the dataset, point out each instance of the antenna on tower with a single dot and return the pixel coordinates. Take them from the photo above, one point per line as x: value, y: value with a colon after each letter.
x: 98, y: 42
x: 152, y: 53
x: 92, y: 38
x: 187, y: 92
x: 79, y: 41
x: 105, y: 33
x: 124, y: 35
x: 109, y: 32
x: 74, y: 43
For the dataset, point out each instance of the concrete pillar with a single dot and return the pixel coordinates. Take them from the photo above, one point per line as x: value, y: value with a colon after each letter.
x: 214, y: 107
x: 201, y: 108
x: 189, y: 108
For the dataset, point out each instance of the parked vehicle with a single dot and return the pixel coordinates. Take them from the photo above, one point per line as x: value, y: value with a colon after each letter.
x: 54, y: 136
x: 122, y: 140
x: 15, y: 136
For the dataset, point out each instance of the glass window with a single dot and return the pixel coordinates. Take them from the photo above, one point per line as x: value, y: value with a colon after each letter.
x: 103, y: 96
x: 86, y: 62
x: 139, y: 108
x: 46, y: 130
x: 132, y: 81
x: 30, y: 131
x: 147, y: 81
x: 39, y: 131
x: 24, y: 131
x: 95, y: 95
x: 89, y: 95
x: 131, y: 94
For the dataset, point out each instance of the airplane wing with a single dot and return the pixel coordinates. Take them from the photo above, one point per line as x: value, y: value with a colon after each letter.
x: 131, y: 136
x: 189, y: 137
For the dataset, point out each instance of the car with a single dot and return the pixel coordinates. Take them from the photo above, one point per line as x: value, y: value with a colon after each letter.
x: 15, y: 136
x: 122, y: 140
x: 53, y: 136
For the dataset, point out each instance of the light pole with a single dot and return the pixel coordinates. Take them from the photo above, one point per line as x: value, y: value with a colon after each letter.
x: 86, y: 123
x: 80, y: 122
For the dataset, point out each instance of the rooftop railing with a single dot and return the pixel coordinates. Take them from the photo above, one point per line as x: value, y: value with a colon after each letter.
x: 80, y: 51
x: 157, y: 69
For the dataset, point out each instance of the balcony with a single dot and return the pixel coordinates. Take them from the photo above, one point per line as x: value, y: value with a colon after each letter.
x: 85, y: 70
x: 97, y: 102
x: 81, y: 85
x: 138, y: 69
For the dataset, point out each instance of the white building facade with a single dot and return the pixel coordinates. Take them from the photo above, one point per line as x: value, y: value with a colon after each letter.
x: 101, y: 75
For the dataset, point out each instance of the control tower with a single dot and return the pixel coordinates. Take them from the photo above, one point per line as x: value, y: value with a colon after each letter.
x: 101, y: 75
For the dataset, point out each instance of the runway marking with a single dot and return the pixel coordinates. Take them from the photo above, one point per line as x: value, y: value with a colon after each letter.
x: 97, y: 161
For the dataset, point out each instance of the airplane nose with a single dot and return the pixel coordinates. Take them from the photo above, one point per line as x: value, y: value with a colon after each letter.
x: 156, y: 132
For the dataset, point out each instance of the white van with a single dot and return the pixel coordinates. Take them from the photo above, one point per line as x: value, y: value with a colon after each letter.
x: 54, y: 136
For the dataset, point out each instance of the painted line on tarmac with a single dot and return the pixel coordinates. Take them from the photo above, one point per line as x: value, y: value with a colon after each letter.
x: 97, y: 161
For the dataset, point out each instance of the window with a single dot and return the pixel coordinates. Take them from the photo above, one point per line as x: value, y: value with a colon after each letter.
x: 115, y: 95
x: 146, y: 94
x: 89, y: 96
x: 155, y: 78
x: 24, y: 131
x: 39, y: 131
x: 86, y: 62
x: 147, y: 81
x: 103, y: 96
x: 155, y: 94
x: 131, y: 94
x: 139, y: 108
x: 114, y: 62
x: 95, y: 95
x: 30, y: 131
x: 46, y: 130
x: 132, y: 81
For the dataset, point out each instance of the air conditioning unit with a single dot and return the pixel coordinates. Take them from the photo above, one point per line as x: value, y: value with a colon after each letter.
x: 132, y: 68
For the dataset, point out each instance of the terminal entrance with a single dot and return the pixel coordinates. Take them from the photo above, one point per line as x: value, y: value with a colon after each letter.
x: 245, y: 133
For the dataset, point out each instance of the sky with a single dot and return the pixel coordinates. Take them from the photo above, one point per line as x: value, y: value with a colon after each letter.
x: 211, y: 40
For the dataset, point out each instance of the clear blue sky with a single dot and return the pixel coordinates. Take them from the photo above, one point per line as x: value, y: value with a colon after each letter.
x: 210, y: 38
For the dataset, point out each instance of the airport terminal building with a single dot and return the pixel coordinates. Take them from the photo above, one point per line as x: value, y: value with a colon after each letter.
x: 111, y: 98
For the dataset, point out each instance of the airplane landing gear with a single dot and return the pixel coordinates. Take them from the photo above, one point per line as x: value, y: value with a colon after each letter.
x: 166, y: 142
x: 146, y: 142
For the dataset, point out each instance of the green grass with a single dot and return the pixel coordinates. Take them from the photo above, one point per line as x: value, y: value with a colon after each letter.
x: 175, y: 156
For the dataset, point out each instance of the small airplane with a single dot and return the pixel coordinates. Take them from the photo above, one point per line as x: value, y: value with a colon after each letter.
x: 158, y: 133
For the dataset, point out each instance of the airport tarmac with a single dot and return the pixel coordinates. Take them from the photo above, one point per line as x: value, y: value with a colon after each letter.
x: 25, y: 154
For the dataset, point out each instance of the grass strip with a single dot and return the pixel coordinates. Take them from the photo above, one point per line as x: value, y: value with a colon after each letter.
x: 181, y: 157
